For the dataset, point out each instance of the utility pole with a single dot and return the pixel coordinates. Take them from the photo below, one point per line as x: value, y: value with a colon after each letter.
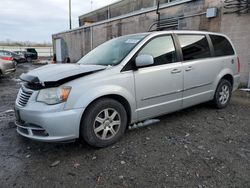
x: 70, y: 24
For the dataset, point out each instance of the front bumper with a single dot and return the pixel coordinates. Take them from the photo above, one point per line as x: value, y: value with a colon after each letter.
x: 48, y: 126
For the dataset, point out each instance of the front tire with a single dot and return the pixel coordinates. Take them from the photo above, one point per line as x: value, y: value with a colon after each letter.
x: 104, y: 122
x: 223, y: 94
x: 16, y: 62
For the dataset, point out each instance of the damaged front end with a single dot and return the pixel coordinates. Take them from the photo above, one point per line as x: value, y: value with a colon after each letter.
x: 39, y: 109
x: 48, y: 82
x: 33, y: 82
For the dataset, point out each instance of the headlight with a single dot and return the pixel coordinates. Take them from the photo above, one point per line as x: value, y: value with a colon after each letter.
x: 54, y: 95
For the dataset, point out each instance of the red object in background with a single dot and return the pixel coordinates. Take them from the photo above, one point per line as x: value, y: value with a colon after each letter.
x: 6, y: 58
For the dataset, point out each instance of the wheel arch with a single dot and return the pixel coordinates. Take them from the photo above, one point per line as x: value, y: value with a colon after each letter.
x: 229, y: 78
x: 225, y: 97
x: 116, y: 97
x: 224, y: 74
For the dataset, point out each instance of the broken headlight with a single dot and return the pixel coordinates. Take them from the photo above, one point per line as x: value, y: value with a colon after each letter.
x: 54, y: 95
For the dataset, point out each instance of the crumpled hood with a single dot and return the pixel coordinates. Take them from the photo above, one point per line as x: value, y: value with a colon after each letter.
x: 57, y: 74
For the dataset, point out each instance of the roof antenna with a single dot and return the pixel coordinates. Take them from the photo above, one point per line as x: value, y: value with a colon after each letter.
x: 159, y: 15
x: 91, y: 5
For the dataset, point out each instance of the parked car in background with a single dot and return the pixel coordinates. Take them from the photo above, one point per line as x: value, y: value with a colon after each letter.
x: 26, y: 55
x: 31, y: 54
x: 16, y: 57
x: 7, y: 65
x: 124, y: 81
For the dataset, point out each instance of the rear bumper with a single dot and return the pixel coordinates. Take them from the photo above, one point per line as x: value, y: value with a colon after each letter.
x: 236, y: 82
x: 8, y: 71
x: 21, y: 60
x: 48, y: 126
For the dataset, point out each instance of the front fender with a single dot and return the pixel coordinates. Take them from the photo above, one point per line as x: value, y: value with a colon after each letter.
x: 92, y: 94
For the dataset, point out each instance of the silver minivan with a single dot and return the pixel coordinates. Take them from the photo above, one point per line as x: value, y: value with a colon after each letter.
x: 126, y: 80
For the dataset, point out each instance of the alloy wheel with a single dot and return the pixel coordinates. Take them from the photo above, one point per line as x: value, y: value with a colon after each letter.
x: 224, y: 94
x: 107, y: 124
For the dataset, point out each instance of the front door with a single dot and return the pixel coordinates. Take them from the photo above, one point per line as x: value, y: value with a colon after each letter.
x: 159, y: 87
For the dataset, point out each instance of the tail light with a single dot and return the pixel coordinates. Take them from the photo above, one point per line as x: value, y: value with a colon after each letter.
x: 6, y: 58
x: 238, y: 64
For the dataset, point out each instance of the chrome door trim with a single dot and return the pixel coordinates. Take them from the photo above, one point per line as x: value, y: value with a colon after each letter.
x: 161, y: 95
x: 201, y: 85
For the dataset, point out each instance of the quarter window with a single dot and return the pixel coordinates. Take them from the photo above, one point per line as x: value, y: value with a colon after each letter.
x: 194, y: 47
x: 162, y: 49
x: 4, y: 53
x: 222, y: 46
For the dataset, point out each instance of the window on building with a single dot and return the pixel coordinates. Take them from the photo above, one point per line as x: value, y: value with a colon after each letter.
x: 222, y: 46
x: 162, y: 49
x: 194, y: 47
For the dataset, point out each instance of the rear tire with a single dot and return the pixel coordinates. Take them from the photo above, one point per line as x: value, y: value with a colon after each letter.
x: 103, y: 123
x: 223, y: 94
x: 29, y: 60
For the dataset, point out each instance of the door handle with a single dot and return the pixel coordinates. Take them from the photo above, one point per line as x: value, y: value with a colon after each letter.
x: 175, y: 71
x: 189, y: 68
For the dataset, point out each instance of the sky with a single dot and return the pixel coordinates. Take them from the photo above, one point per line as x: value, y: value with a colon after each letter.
x: 37, y: 20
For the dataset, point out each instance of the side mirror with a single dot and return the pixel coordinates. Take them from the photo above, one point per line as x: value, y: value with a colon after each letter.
x: 144, y: 60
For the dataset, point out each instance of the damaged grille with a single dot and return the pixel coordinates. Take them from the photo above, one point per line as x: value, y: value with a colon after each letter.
x: 24, y: 96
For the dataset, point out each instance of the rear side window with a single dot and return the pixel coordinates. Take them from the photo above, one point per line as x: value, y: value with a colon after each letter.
x: 222, y: 47
x: 162, y: 49
x: 32, y: 50
x: 4, y: 53
x: 194, y: 47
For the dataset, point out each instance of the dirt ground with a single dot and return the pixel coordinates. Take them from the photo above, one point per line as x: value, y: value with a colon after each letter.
x: 197, y: 147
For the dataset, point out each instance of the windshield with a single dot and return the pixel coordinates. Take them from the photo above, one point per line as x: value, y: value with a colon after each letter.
x: 113, y: 51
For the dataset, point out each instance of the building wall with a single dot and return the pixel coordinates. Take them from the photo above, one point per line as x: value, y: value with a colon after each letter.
x: 238, y: 29
x: 81, y: 41
x: 117, y: 9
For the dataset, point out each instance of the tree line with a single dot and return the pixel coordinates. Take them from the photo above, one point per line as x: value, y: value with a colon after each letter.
x: 8, y: 42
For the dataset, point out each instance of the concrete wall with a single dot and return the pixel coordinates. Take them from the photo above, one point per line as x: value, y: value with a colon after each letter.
x: 81, y: 41
x: 117, y: 9
x: 238, y: 29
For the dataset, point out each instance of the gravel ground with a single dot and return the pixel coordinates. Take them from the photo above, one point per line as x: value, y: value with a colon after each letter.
x: 197, y: 147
